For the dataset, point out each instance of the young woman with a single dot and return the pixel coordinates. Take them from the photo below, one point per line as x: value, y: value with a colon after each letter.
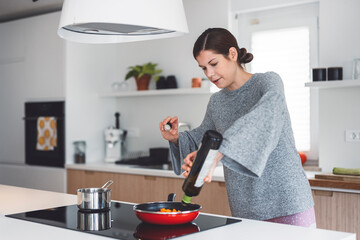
x: 262, y: 169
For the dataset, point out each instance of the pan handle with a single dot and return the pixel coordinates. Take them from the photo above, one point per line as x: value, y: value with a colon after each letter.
x: 171, y: 197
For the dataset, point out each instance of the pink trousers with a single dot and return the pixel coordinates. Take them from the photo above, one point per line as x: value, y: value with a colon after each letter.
x: 304, y: 219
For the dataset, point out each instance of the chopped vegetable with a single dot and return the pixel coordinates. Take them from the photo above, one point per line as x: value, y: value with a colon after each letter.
x: 168, y: 210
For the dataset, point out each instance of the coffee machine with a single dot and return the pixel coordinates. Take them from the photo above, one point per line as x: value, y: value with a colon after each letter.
x: 114, y: 141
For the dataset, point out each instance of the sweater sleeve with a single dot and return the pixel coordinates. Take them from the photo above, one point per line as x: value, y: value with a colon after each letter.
x: 250, y: 140
x: 189, y: 142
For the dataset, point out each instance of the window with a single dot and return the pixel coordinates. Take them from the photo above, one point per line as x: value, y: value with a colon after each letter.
x: 284, y: 40
x: 286, y: 51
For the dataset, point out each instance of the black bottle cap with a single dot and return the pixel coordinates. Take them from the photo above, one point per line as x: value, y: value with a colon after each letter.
x: 215, y: 138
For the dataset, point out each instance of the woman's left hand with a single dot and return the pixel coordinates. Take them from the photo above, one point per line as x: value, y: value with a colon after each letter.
x: 188, y: 162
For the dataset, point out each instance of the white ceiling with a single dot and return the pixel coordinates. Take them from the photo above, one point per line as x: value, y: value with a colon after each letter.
x: 16, y: 9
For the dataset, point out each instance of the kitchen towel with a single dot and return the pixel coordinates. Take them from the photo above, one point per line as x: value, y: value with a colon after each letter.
x: 46, y: 133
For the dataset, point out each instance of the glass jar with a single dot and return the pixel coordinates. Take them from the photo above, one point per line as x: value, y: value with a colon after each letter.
x: 80, y: 150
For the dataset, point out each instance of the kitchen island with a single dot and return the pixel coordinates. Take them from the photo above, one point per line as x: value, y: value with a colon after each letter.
x: 15, y: 200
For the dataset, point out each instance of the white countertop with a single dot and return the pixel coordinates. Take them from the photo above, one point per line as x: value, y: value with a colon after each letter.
x: 15, y: 200
x: 137, y: 170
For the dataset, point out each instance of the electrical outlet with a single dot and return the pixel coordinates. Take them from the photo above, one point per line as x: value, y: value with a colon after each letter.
x: 352, y: 135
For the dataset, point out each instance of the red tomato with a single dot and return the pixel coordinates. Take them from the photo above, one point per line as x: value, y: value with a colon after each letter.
x: 302, y: 157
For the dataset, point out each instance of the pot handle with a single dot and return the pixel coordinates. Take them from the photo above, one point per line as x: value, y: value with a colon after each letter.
x: 107, y: 184
x: 171, y: 197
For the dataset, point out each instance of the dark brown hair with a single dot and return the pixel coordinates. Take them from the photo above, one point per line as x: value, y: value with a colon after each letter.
x: 220, y: 41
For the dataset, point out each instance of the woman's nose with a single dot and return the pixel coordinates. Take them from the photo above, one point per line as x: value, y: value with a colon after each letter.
x: 210, y: 73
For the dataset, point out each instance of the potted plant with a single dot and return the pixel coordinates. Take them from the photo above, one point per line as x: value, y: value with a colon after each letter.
x: 143, y: 74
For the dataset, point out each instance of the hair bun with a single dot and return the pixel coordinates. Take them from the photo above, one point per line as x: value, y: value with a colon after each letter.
x: 220, y: 40
x: 244, y: 56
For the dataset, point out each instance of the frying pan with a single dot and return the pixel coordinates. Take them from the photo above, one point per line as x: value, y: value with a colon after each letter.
x: 150, y: 212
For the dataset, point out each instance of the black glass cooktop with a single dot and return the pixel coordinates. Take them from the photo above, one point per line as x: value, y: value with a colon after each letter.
x: 120, y: 222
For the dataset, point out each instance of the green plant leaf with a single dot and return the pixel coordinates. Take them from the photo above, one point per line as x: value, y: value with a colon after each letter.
x: 140, y: 70
x: 130, y: 74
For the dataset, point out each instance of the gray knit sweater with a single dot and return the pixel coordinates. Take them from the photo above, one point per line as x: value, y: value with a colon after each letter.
x: 262, y: 169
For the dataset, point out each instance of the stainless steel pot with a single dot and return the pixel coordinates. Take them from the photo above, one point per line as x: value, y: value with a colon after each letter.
x: 94, y: 199
x: 94, y: 221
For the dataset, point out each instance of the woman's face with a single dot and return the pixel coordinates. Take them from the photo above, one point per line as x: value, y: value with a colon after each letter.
x: 219, y: 70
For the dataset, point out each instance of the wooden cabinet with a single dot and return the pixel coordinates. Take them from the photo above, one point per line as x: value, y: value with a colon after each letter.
x: 338, y: 211
x: 139, y: 189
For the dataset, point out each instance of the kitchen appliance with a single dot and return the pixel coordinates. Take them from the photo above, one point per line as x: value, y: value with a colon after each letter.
x: 155, y: 232
x: 158, y: 156
x: 94, y: 199
x: 114, y: 141
x: 124, y: 225
x: 151, y: 212
x: 112, y: 21
x: 33, y: 111
x: 183, y: 126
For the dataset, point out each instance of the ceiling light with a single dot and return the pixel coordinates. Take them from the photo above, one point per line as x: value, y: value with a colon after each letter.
x: 113, y: 21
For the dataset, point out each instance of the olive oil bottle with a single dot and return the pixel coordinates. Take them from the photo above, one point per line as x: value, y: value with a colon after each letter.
x: 202, y: 164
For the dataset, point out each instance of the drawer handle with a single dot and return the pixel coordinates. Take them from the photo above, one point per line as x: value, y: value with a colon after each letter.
x: 89, y: 172
x: 221, y: 184
x: 152, y: 178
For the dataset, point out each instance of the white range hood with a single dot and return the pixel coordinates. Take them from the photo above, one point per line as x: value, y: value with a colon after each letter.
x: 114, y: 21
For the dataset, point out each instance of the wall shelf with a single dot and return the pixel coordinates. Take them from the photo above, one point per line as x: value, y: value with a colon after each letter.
x: 162, y: 92
x: 334, y: 84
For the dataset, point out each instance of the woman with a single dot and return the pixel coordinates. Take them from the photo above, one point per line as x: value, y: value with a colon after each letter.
x: 262, y: 169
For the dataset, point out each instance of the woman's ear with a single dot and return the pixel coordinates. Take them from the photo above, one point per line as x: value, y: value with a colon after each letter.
x: 233, y: 54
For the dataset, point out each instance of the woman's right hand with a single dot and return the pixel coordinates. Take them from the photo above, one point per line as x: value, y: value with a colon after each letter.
x: 171, y: 135
x: 188, y: 162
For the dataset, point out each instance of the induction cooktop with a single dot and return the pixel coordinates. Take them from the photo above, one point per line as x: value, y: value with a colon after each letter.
x: 120, y: 222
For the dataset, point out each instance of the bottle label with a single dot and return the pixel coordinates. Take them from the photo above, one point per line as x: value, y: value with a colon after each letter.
x: 206, y: 167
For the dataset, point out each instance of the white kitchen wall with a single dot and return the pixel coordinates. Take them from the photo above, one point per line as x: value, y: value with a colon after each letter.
x: 31, y: 69
x: 339, y: 108
x: 91, y: 69
x: 88, y: 69
x: 339, y: 37
x: 339, y: 34
x: 339, y: 111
